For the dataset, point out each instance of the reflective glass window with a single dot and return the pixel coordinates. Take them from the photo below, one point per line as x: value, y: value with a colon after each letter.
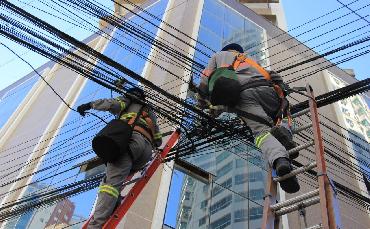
x: 361, y: 111
x: 222, y: 156
x: 221, y: 204
x: 255, y: 213
x: 187, y: 195
x: 356, y: 101
x: 220, y: 188
x: 241, y: 179
x: 241, y: 215
x: 13, y: 97
x: 214, y: 42
x: 225, y: 169
x: 365, y: 122
x: 256, y: 194
x: 350, y: 122
x: 241, y: 196
x: 214, y: 6
x: 213, y: 23
x: 222, y: 222
x: 255, y: 176
x: 204, y: 204
x: 240, y: 163
x: 202, y: 221
x: 234, y: 19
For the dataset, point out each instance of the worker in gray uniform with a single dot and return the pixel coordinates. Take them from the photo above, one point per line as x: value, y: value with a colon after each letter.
x: 258, y: 104
x: 145, y: 136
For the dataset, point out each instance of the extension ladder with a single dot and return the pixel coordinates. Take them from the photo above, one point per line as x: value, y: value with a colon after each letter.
x: 325, y: 194
x: 139, y: 184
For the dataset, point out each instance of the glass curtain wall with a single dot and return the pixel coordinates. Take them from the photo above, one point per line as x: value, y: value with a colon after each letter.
x: 234, y: 198
x: 73, y: 144
x: 12, y: 97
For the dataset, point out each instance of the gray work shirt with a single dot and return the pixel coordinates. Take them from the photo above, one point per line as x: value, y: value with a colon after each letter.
x: 122, y: 105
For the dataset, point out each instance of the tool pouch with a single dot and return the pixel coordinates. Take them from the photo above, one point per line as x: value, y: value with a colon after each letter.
x: 113, y: 140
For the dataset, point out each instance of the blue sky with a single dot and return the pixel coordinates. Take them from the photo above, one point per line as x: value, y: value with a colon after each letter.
x: 301, y: 11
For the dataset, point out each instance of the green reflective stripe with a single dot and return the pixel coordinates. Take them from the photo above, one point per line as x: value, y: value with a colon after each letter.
x: 109, y: 189
x: 143, y: 121
x: 110, y: 192
x: 131, y: 115
x: 261, y: 138
x: 157, y: 136
x: 128, y: 115
x: 122, y: 104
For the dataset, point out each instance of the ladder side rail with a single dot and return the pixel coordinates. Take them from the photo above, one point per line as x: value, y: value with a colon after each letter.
x: 325, y: 192
x: 269, y: 221
x: 130, y: 198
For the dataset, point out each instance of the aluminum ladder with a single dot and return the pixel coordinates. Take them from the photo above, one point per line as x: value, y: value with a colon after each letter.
x: 324, y: 195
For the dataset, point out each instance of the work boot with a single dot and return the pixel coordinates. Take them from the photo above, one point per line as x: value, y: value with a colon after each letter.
x: 283, y: 166
x: 284, y: 136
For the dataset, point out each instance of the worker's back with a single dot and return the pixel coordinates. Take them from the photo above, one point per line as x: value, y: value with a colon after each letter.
x: 245, y: 72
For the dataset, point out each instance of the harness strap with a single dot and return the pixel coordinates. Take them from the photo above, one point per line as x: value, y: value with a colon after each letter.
x: 253, y: 117
x: 149, y: 133
x: 144, y: 132
x: 149, y: 123
x: 284, y: 104
x: 241, y: 58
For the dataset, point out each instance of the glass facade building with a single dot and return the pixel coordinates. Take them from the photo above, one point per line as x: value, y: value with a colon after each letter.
x: 234, y: 197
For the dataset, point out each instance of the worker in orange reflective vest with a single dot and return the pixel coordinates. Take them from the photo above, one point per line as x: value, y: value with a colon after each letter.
x: 145, y: 135
x: 256, y: 95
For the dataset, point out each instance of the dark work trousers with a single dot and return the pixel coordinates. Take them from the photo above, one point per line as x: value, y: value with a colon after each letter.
x: 116, y: 173
x: 263, y: 102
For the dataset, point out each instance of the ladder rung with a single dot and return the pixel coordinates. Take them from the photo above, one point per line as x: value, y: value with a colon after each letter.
x: 296, y: 171
x: 318, y: 226
x: 302, y: 112
x: 294, y: 200
x: 297, y: 206
x: 301, y: 128
x: 301, y: 147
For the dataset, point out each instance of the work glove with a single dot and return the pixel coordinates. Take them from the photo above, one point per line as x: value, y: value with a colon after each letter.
x: 119, y: 83
x: 216, y: 111
x: 83, y: 108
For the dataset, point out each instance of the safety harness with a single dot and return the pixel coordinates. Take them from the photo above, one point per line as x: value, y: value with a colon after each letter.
x: 225, y: 79
x: 113, y: 140
x: 144, y: 126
